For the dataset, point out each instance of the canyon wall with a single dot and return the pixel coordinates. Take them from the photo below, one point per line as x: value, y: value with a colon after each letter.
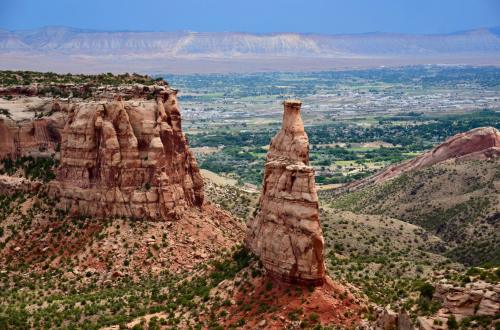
x: 38, y: 137
x: 127, y: 158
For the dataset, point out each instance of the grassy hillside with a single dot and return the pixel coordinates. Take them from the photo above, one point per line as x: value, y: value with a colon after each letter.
x: 459, y: 202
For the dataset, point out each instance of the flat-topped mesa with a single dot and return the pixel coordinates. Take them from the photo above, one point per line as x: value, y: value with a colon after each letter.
x: 127, y: 158
x: 286, y: 233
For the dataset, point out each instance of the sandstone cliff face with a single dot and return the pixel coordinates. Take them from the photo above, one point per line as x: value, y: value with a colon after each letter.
x: 7, y: 145
x: 286, y: 233
x: 127, y: 159
x: 476, y: 144
x: 39, y: 137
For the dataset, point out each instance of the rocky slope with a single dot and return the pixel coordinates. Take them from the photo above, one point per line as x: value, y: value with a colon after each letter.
x: 286, y: 232
x: 477, y: 144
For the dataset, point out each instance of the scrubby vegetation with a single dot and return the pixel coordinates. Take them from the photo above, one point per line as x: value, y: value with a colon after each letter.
x: 57, y: 273
x: 51, y: 300
x: 239, y: 203
x: 386, y: 257
x: 12, y: 78
x: 457, y: 202
x: 35, y: 168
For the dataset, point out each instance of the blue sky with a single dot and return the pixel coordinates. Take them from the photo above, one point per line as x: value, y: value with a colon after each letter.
x: 319, y: 16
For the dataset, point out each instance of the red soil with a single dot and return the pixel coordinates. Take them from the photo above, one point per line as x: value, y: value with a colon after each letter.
x: 272, y: 304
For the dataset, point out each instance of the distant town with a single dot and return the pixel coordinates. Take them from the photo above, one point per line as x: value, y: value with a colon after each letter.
x: 358, y: 121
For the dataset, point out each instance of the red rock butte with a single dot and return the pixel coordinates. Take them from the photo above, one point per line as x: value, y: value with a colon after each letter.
x: 127, y: 159
x: 286, y: 234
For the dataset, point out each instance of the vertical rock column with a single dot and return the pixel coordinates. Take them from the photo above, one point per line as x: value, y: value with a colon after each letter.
x: 286, y: 233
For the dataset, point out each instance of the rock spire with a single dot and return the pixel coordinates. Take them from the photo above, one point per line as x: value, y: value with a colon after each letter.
x: 286, y: 232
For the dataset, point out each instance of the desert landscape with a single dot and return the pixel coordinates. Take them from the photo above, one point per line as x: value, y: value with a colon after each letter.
x: 253, y: 165
x: 108, y: 222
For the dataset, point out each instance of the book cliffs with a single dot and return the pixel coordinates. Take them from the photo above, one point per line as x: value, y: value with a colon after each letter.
x: 286, y: 234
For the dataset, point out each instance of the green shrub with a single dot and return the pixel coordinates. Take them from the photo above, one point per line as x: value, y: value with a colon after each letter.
x: 452, y: 322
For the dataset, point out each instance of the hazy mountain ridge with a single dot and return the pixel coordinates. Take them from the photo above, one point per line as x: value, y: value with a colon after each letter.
x: 65, y: 40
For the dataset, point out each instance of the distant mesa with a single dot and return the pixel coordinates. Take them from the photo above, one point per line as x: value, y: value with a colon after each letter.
x: 286, y: 234
x: 67, y: 40
x: 64, y: 49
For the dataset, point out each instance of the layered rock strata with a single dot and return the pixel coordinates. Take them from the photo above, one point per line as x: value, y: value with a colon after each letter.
x: 38, y: 137
x: 127, y: 158
x: 477, y: 144
x: 286, y: 233
x: 476, y: 300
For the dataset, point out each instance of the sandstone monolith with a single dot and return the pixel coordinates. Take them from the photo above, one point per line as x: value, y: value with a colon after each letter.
x: 286, y: 233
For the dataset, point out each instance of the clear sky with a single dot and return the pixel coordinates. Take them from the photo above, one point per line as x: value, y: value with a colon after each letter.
x: 319, y: 16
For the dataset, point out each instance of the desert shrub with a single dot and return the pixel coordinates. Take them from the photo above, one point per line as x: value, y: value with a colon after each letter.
x: 452, y: 322
x: 426, y: 290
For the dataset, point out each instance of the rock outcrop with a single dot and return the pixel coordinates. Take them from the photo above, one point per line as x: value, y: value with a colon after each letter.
x: 286, y: 233
x: 127, y: 158
x: 475, y: 299
x: 388, y: 319
x: 476, y: 144
x: 39, y: 137
x: 10, y: 185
